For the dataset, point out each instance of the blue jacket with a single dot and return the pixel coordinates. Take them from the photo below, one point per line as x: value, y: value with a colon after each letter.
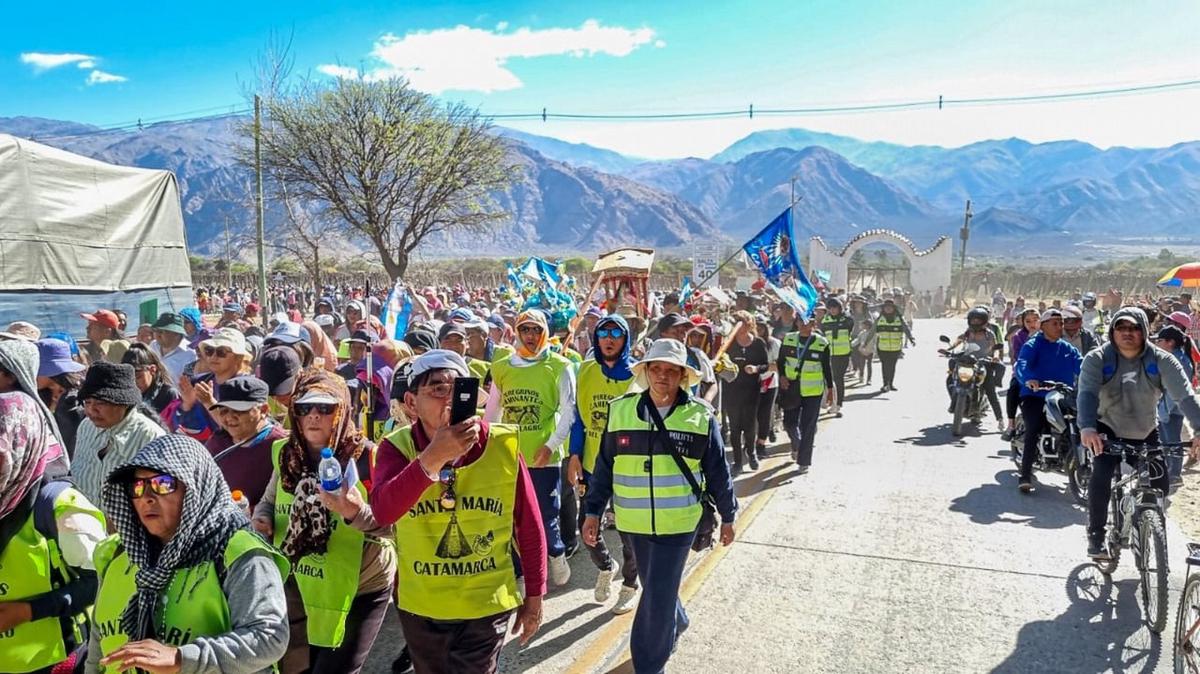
x: 1042, y: 360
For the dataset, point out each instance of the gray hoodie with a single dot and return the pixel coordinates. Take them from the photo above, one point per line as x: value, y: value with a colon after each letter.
x: 1127, y: 402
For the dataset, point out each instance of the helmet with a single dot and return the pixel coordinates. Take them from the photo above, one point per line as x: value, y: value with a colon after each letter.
x: 833, y: 302
x: 1089, y: 299
x: 978, y: 317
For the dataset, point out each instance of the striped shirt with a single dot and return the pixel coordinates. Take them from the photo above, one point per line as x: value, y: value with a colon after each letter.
x: 98, y: 451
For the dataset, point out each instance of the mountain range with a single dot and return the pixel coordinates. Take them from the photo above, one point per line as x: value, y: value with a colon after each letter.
x: 573, y: 197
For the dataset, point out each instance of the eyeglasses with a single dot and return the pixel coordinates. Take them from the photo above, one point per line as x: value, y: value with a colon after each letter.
x: 439, y: 389
x: 447, y: 478
x: 161, y: 485
x: 529, y: 329
x: 610, y: 333
x: 324, y: 409
x: 222, y: 352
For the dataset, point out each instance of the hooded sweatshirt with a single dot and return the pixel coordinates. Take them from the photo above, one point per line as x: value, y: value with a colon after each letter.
x: 621, y: 370
x: 1127, y: 402
x: 1044, y: 360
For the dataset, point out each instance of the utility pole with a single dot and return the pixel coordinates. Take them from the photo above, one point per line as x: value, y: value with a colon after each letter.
x: 258, y: 211
x: 964, y: 234
x: 228, y: 253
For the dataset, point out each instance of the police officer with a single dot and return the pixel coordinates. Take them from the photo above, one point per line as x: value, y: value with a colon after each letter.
x: 838, y: 328
x: 890, y: 332
x: 661, y: 447
x: 807, y: 380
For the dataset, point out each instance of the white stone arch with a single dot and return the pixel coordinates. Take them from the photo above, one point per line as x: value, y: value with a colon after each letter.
x: 930, y: 268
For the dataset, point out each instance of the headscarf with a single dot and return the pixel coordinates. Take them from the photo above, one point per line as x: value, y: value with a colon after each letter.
x: 23, y: 443
x: 207, y: 520
x: 539, y: 318
x: 322, y: 346
x: 21, y: 359
x: 392, y: 352
x: 309, y: 523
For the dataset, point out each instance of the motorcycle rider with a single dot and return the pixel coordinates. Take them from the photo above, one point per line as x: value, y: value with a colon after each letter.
x: 1119, y: 388
x: 1045, y: 357
x: 1093, y: 318
x: 982, y: 334
x: 1081, y: 338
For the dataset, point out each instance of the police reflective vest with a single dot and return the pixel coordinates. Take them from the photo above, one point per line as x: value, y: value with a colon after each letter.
x: 890, y: 332
x: 837, y: 330
x: 809, y: 372
x: 594, y: 392
x: 194, y: 604
x: 456, y: 564
x: 30, y: 565
x: 650, y: 494
x: 529, y: 400
x: 328, y: 583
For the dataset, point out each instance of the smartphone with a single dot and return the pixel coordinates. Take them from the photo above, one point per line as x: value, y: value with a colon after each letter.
x: 466, y: 399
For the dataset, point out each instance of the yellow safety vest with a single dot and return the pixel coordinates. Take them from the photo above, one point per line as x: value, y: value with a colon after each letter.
x: 194, y: 604
x: 457, y: 564
x: 32, y: 565
x: 529, y: 400
x: 809, y: 372
x: 327, y: 582
x: 650, y: 493
x: 890, y: 333
x: 594, y: 392
x: 838, y: 334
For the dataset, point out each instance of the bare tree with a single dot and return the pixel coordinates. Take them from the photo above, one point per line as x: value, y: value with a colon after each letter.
x: 303, y: 233
x: 389, y: 164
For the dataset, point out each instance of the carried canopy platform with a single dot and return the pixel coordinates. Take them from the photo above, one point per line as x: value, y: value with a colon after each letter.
x: 77, y: 234
x: 626, y: 273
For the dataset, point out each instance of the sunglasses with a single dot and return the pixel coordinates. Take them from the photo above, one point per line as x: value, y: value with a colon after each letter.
x: 610, y: 333
x: 447, y: 478
x: 222, y: 352
x: 161, y: 485
x: 324, y: 409
x: 529, y: 329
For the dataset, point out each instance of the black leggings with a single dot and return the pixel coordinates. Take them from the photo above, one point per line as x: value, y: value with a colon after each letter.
x: 1012, y: 399
x: 766, y: 405
x: 887, y: 362
x: 742, y: 409
x: 839, y: 364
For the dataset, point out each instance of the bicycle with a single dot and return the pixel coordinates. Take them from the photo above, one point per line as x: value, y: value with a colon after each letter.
x: 1137, y: 508
x: 1187, y: 621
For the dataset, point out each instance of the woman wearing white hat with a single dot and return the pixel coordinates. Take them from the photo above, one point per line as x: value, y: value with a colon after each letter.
x: 660, y: 457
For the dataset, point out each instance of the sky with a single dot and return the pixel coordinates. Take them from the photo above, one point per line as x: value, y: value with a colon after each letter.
x: 100, y: 64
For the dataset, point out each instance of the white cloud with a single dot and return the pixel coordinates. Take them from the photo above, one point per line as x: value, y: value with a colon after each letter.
x: 44, y: 61
x: 101, y: 77
x: 340, y: 72
x: 475, y: 59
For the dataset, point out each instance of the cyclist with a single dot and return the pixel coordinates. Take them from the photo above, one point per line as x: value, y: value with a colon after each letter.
x: 982, y: 334
x: 1119, y: 388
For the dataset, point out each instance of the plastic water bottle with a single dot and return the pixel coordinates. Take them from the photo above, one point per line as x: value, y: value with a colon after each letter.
x: 329, y: 471
x: 241, y: 501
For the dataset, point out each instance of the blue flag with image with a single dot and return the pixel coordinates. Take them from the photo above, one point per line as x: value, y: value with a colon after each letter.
x: 774, y: 253
x: 397, y: 313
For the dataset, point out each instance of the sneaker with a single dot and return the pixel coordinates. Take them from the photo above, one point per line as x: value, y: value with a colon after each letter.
x: 1026, y: 486
x: 802, y: 469
x: 753, y: 462
x: 1096, y: 550
x: 1007, y: 435
x: 604, y: 583
x: 626, y: 600
x: 560, y: 571
x: 403, y: 663
x: 572, y: 548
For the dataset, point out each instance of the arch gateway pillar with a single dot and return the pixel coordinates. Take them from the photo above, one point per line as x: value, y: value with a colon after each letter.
x: 930, y: 268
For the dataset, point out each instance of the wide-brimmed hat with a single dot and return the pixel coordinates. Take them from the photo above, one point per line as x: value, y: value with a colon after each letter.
x: 21, y: 330
x: 666, y: 351
x: 170, y: 322
x: 111, y: 383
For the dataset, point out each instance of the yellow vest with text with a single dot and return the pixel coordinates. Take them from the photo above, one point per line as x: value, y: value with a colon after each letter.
x: 32, y: 565
x: 839, y: 336
x: 327, y: 582
x: 593, y: 393
x: 890, y: 333
x: 809, y: 372
x: 650, y: 493
x: 529, y: 400
x: 194, y: 604
x: 457, y: 564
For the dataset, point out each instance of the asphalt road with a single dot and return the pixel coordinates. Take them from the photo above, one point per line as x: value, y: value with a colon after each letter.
x: 905, y: 549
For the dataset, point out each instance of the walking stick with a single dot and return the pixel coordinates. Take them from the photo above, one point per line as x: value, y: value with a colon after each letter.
x: 587, y: 300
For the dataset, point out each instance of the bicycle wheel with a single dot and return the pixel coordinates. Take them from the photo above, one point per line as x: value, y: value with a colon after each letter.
x: 1079, y: 475
x: 1187, y: 628
x: 1152, y: 541
x: 960, y: 408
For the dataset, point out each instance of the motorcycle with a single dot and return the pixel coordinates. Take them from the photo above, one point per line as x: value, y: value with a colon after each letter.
x: 968, y: 372
x: 1058, y: 447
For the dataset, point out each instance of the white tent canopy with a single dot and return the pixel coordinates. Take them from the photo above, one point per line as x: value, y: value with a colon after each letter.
x: 78, y: 234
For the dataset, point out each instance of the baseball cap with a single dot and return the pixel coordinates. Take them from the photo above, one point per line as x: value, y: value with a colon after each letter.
x: 241, y: 393
x: 461, y: 315
x: 421, y: 339
x: 324, y: 320
x: 227, y: 337
x: 252, y: 308
x: 1071, y: 311
x: 452, y: 328
x: 363, y: 337
x: 438, y: 359
x: 1051, y: 313
x: 104, y: 317
x: 1172, y: 333
x: 232, y: 307
x: 287, y: 332
x: 672, y: 320
x: 278, y: 367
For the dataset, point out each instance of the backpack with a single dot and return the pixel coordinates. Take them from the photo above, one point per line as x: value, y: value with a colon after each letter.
x: 1149, y: 365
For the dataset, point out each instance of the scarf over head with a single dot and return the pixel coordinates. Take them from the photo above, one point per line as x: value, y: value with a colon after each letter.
x: 24, y: 439
x: 298, y: 472
x: 21, y: 359
x: 322, y: 346
x: 207, y: 519
x: 533, y: 316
